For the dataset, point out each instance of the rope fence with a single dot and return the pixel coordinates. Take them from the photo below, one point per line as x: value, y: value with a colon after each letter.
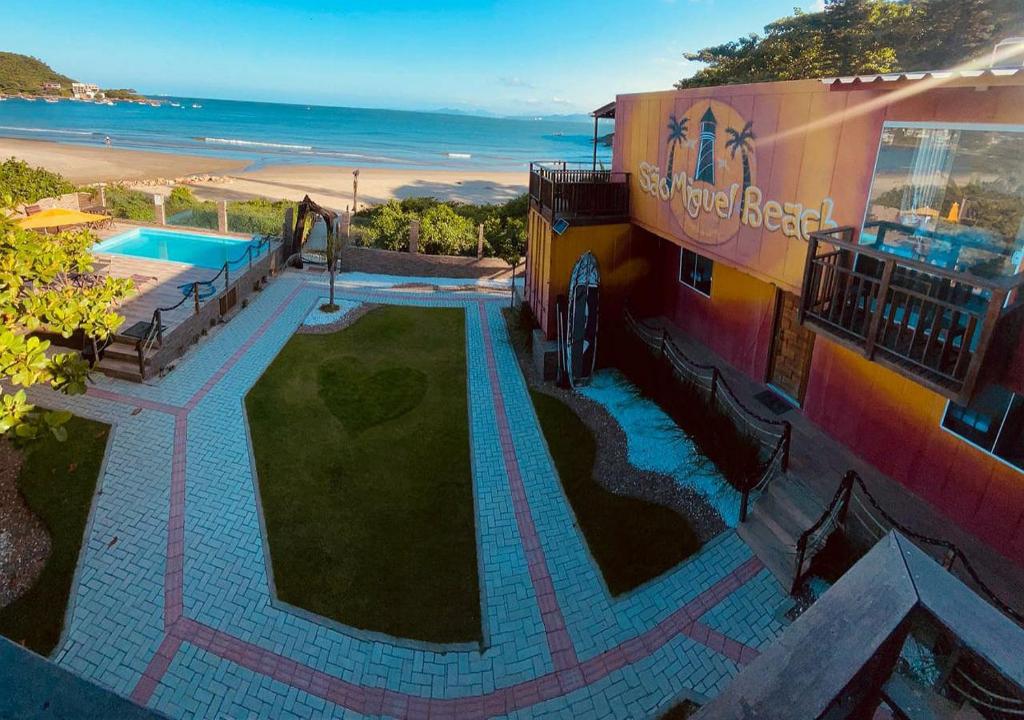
x: 669, y: 361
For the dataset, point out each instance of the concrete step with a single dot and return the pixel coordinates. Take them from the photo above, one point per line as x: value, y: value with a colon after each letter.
x: 118, y: 350
x: 916, y: 702
x: 123, y: 369
x: 776, y: 554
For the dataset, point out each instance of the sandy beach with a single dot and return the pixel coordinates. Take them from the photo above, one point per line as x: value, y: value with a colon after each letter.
x: 330, y: 185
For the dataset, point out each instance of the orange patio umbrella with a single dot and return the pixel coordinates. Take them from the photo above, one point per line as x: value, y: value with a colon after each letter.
x: 58, y: 217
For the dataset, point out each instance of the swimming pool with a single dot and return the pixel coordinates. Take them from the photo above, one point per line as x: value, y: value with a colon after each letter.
x: 208, y: 251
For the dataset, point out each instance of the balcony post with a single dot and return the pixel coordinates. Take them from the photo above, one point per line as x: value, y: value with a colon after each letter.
x: 992, y: 313
x: 812, y: 252
x: 879, y: 309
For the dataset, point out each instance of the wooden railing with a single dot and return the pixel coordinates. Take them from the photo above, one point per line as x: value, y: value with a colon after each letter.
x: 930, y: 323
x: 563, y: 190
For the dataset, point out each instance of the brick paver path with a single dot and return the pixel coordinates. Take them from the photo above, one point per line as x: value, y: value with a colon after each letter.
x: 172, y: 603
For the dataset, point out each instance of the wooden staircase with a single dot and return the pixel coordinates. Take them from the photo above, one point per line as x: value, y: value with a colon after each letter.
x: 121, y: 360
x: 785, y: 510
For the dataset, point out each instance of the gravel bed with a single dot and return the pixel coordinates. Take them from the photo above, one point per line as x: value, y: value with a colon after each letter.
x: 612, y: 469
x: 24, y: 542
x: 345, y: 321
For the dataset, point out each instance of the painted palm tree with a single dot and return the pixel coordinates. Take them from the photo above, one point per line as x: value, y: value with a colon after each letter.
x: 742, y: 141
x: 677, y: 130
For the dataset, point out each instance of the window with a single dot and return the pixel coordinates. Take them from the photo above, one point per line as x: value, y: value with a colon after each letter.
x: 951, y: 196
x: 993, y: 422
x: 695, y: 271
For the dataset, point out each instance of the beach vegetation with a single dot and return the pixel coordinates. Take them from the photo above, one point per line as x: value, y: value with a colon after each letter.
x: 372, y: 523
x: 447, y: 227
x: 129, y: 204
x: 852, y: 37
x: 20, y: 183
x: 57, y: 481
x: 46, y: 287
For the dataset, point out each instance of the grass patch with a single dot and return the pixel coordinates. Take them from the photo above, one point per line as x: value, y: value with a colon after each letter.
x: 362, y: 449
x: 58, y: 481
x: 632, y: 540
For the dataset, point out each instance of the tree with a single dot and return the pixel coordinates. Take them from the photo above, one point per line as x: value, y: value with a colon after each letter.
x: 45, y: 286
x: 677, y: 130
x: 388, y: 227
x: 861, y: 36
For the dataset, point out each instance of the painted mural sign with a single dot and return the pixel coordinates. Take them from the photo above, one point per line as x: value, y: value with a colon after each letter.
x: 710, y: 179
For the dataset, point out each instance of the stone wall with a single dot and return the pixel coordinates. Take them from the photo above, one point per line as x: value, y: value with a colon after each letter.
x: 388, y: 262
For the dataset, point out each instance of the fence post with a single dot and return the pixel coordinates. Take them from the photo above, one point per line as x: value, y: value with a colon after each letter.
x: 159, y: 210
x: 227, y: 274
x: 480, y: 241
x: 159, y: 326
x: 714, y: 387
x: 195, y: 294
x: 787, y: 437
x: 102, y: 196
x: 801, y: 550
x: 844, y: 507
x: 249, y: 253
x: 222, y: 216
x: 414, y: 237
x: 744, y: 500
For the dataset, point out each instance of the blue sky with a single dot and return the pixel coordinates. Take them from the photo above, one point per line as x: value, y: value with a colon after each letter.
x: 515, y: 57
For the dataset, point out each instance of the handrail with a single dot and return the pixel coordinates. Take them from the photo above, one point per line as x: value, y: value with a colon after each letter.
x: 1004, y: 283
x: 155, y: 333
x: 853, y: 478
x: 717, y: 387
x: 834, y: 515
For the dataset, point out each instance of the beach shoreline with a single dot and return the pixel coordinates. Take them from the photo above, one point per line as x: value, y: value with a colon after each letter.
x: 227, y: 179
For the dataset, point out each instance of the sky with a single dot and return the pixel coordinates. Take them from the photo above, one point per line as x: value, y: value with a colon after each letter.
x: 526, y: 57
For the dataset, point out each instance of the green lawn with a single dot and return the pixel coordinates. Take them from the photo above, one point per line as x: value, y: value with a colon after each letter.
x: 362, y: 449
x: 631, y: 540
x: 58, y: 481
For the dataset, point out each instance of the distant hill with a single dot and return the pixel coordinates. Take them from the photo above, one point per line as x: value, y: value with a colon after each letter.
x: 24, y: 74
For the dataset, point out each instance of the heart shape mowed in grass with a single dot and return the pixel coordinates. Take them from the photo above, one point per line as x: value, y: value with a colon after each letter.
x: 361, y: 399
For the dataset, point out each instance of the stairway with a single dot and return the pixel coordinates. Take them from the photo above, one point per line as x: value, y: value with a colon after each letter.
x: 120, y: 360
x: 779, y: 517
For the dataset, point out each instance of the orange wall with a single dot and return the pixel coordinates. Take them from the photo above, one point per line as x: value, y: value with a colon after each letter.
x: 810, y: 143
x: 893, y: 423
x: 552, y: 257
x: 735, y: 322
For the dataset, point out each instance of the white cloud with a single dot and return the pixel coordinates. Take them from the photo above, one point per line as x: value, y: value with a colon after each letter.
x: 514, y: 82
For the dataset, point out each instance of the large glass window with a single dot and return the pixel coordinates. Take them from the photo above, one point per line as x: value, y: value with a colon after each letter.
x: 950, y: 196
x: 994, y: 421
x: 695, y: 270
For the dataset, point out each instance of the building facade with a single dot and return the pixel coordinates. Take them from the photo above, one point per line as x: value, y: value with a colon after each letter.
x: 857, y: 245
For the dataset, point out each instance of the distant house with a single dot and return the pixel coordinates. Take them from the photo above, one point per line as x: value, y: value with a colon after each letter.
x: 84, y: 91
x: 51, y: 87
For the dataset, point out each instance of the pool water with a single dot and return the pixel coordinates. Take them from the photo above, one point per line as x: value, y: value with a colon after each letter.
x: 208, y: 251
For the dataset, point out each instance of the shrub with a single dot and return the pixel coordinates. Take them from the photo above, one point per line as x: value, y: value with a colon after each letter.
x: 388, y: 227
x: 445, y: 232
x: 130, y: 204
x: 21, y: 183
x: 259, y: 216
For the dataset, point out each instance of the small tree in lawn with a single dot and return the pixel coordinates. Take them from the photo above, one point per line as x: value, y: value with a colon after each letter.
x: 333, y: 250
x: 42, y: 288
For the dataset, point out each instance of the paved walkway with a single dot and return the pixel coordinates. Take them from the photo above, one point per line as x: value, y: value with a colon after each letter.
x: 172, y: 605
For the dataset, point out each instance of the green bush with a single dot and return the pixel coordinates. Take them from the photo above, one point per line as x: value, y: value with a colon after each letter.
x: 130, y: 204
x: 445, y: 232
x: 447, y: 228
x: 259, y: 216
x: 387, y: 227
x: 21, y: 183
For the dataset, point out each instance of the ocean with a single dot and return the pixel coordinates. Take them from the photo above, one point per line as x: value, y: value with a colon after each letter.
x: 271, y: 133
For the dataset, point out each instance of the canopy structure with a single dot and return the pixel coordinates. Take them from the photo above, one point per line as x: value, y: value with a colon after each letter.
x: 57, y: 218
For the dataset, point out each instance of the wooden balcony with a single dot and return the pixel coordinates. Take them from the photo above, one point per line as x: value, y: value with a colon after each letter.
x: 929, y: 323
x: 579, y: 193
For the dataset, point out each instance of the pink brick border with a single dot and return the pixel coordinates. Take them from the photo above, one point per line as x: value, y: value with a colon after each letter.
x: 569, y: 674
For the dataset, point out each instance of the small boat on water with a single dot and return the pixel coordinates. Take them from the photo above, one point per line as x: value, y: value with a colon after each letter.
x: 154, y: 103
x: 52, y: 101
x: 28, y: 99
x: 197, y: 106
x: 107, y: 102
x: 174, y: 104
